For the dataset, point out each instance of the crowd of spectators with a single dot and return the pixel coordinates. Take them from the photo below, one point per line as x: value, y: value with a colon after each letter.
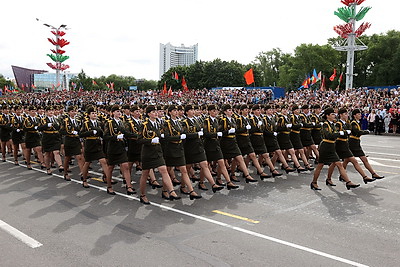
x: 381, y: 108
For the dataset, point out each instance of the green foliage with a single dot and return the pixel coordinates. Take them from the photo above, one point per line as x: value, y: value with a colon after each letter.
x: 5, y: 82
x: 120, y: 82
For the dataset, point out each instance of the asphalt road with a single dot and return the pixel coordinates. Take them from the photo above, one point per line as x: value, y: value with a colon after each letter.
x: 275, y: 222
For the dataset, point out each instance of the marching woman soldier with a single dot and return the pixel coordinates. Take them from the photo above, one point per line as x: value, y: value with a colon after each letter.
x: 5, y: 131
x: 92, y: 133
x: 174, y: 154
x: 134, y: 126
x: 32, y: 138
x: 343, y: 150
x: 17, y: 135
x: 243, y: 140
x: 327, y: 152
x: 229, y: 146
x: 72, y: 144
x: 152, y: 157
x: 355, y: 143
x: 115, y: 133
x: 270, y: 140
x: 257, y: 141
x: 283, y: 129
x: 194, y: 149
x: 316, y: 129
x: 212, y: 147
x: 305, y: 133
x: 295, y: 136
x: 51, y: 139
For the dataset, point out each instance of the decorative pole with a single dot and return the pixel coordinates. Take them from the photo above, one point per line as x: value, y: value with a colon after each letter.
x: 57, y: 55
x: 349, y: 33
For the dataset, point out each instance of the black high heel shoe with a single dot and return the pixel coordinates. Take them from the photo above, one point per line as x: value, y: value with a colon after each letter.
x: 329, y: 182
x: 264, y: 176
x: 60, y: 170
x: 231, y: 185
x: 216, y: 188
x: 275, y: 174
x: 300, y: 169
x: 67, y: 178
x: 194, y: 196
x: 85, y: 184
x: 42, y: 167
x: 202, y: 186
x: 110, y: 192
x: 141, y: 198
x: 309, y: 167
x: 376, y: 176
x: 233, y: 178
x: 29, y: 167
x: 219, y: 182
x: 183, y: 192
x: 368, y: 180
x: 48, y: 171
x: 288, y: 169
x: 194, y: 179
x: 349, y: 186
x: 154, y: 184
x: 248, y: 180
x: 171, y: 197
x: 313, y: 187
x: 175, y: 182
x: 130, y: 192
x: 163, y: 195
x: 341, y: 178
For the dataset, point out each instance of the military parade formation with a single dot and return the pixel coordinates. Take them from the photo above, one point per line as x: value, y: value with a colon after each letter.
x: 216, y: 141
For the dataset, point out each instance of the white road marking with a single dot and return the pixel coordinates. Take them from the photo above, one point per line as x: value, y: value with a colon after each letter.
x: 232, y: 227
x: 20, y: 235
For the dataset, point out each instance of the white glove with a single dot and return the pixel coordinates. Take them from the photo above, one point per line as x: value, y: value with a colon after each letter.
x: 301, y: 124
x: 321, y: 123
x: 219, y: 134
x: 313, y: 123
x: 18, y: 130
x: 259, y: 123
x: 155, y: 140
x: 348, y: 131
x: 49, y: 124
x: 162, y: 135
x: 94, y: 132
x: 248, y: 127
x: 231, y: 131
x: 341, y: 133
x: 35, y: 127
x: 120, y: 136
x: 200, y: 133
x: 275, y: 133
x: 183, y: 136
x: 289, y: 125
x: 74, y: 132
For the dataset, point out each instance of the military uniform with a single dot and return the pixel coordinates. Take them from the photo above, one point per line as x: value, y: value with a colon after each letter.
x: 174, y: 152
x: 295, y: 132
x: 134, y: 127
x: 51, y: 139
x: 152, y: 154
x: 211, y: 142
x: 257, y: 137
x: 17, y: 134
x: 193, y: 147
x: 270, y: 140
x: 6, y: 127
x: 116, y: 152
x: 242, y: 135
x: 92, y: 141
x: 327, y: 151
x: 342, y: 144
x: 283, y: 133
x: 229, y: 146
x: 316, y: 129
x: 32, y: 136
x: 355, y: 140
x: 72, y: 142
x: 305, y: 130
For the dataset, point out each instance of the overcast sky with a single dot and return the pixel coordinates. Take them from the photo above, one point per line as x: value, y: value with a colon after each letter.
x: 123, y: 37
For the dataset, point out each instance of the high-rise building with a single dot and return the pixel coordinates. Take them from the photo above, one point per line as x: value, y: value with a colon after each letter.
x: 172, y: 56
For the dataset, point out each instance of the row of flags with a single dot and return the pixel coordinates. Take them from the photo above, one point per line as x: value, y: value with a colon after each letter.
x: 109, y: 85
x: 314, y: 78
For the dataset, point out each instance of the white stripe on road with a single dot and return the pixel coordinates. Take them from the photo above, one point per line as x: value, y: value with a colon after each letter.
x: 20, y: 235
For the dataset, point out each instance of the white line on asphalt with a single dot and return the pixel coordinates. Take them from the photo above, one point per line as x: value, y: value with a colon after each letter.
x: 239, y: 229
x: 20, y: 235
x: 387, y: 154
